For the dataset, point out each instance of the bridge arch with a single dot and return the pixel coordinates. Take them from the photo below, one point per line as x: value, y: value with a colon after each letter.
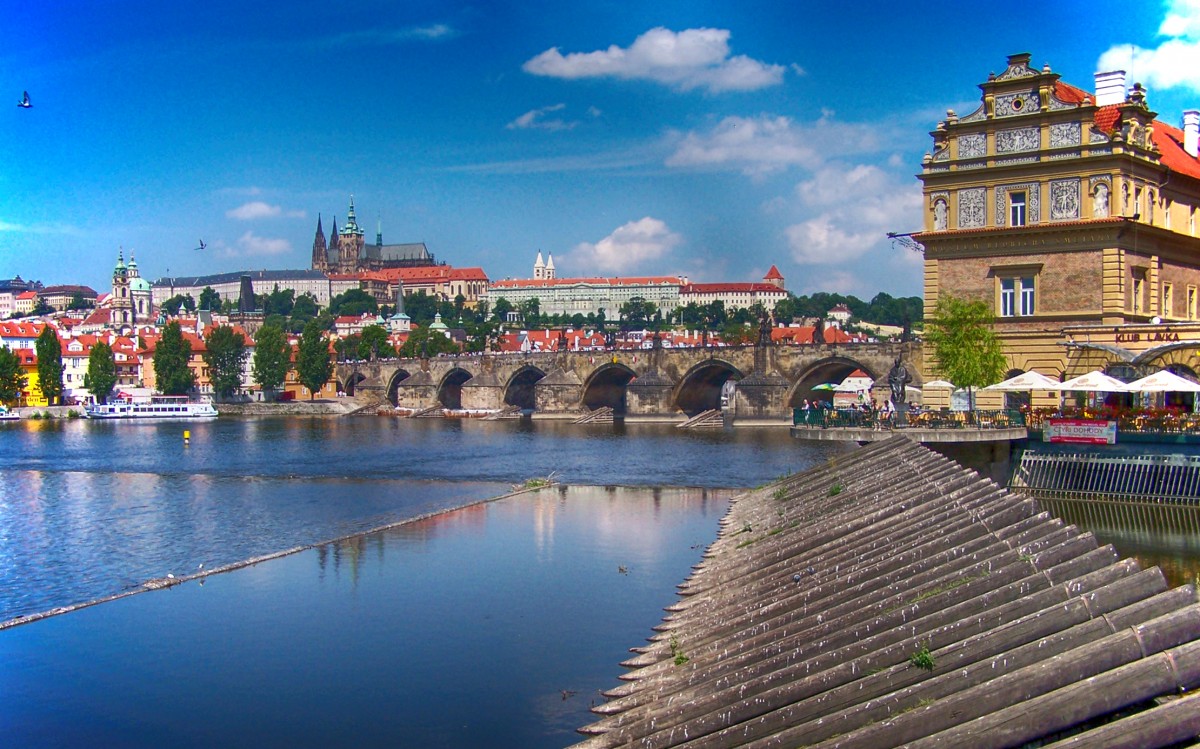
x: 699, y: 389
x: 449, y: 392
x: 351, y: 383
x: 518, y: 391
x: 608, y: 386
x: 393, y: 388
x: 832, y: 369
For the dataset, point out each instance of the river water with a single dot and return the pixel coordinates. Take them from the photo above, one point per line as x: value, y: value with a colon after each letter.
x: 494, y: 625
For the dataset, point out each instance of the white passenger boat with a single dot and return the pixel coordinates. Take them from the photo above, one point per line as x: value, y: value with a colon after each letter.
x: 6, y: 415
x: 158, y: 407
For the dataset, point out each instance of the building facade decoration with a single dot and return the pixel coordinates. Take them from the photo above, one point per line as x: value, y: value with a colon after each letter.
x: 1017, y: 140
x: 972, y: 146
x: 1112, y: 263
x: 1064, y: 199
x: 972, y: 213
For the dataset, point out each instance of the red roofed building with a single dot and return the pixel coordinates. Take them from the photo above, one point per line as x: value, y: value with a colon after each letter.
x: 1073, y: 215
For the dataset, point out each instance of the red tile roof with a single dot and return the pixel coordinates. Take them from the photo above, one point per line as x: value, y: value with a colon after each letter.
x: 773, y: 274
x: 1170, y: 144
x: 468, y: 274
x: 727, y: 288
x: 538, y: 283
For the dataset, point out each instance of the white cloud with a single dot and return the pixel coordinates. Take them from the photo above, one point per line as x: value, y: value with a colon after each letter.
x: 256, y: 209
x: 252, y: 244
x: 627, y: 248
x: 685, y: 60
x: 429, y: 33
x: 67, y: 229
x: 857, y: 207
x: 535, y: 119
x: 1171, y: 64
x: 764, y: 144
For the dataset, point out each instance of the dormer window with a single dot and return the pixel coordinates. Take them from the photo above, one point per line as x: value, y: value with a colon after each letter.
x: 1016, y: 208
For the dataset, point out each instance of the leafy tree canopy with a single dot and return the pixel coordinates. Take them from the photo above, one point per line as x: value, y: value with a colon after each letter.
x: 272, y: 357
x: 178, y: 302
x: 172, y: 374
x: 353, y: 302
x: 225, y: 354
x: 12, y: 377
x: 423, y: 342
x: 49, y: 364
x: 374, y: 344
x: 313, y: 365
x: 210, y: 299
x: 963, y: 342
x: 101, y: 375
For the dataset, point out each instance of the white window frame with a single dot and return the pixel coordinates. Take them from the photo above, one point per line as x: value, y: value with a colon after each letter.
x: 1008, y: 297
x: 1018, y: 208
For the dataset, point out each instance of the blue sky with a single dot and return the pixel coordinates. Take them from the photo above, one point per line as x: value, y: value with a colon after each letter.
x: 711, y: 139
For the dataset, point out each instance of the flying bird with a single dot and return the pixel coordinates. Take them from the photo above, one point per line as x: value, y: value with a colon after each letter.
x: 202, y: 245
x: 24, y: 102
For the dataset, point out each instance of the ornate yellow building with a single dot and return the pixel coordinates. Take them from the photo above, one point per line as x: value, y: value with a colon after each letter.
x: 1074, y: 215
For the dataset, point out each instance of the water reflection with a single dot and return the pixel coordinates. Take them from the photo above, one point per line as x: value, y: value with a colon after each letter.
x: 496, y: 626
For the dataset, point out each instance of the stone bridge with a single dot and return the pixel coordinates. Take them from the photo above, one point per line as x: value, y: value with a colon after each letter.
x: 770, y: 380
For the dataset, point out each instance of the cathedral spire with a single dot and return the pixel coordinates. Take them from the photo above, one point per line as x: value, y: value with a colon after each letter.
x: 320, y: 253
x: 378, y: 231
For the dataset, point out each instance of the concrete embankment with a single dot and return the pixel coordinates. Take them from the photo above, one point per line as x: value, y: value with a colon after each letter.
x: 892, y: 597
x: 328, y: 407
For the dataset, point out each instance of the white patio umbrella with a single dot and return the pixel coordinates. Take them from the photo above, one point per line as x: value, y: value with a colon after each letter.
x: 1164, y: 381
x: 1026, y: 381
x: 1093, y: 382
x: 943, y: 384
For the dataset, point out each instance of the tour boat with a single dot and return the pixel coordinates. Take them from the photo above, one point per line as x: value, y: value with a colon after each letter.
x: 6, y: 415
x: 158, y: 407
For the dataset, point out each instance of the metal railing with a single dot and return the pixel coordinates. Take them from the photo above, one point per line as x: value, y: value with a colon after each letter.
x: 1163, y: 479
x: 856, y: 419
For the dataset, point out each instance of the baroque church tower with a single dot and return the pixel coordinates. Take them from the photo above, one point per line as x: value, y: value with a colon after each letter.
x: 122, y: 302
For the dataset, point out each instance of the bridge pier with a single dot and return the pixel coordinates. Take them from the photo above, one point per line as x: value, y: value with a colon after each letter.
x: 559, y: 392
x: 650, y: 395
x: 417, y: 392
x: 483, y: 392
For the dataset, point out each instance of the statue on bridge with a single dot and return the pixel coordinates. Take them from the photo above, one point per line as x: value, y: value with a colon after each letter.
x: 898, y: 379
x: 819, y: 330
x: 764, y: 328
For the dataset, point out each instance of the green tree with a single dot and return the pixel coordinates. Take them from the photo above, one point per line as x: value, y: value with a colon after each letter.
x: 736, y: 334
x: 272, y: 358
x: 501, y: 309
x: 178, y: 302
x: 101, y: 375
x: 172, y: 374
x: 49, y: 364
x: 786, y: 310
x: 353, y: 302
x: 210, y: 299
x: 637, y: 313
x: 373, y: 344
x: 347, y: 348
x: 79, y: 303
x: 420, y: 307
x: 41, y: 307
x: 304, y: 309
x: 12, y: 377
x: 967, y: 349
x: 422, y: 342
x: 279, y: 302
x: 313, y: 364
x: 225, y: 354
x: 530, y: 311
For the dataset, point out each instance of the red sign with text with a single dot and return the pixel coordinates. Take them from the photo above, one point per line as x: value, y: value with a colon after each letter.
x: 1081, y: 431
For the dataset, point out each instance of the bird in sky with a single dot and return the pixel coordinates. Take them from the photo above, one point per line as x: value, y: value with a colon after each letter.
x: 24, y: 102
x: 202, y: 245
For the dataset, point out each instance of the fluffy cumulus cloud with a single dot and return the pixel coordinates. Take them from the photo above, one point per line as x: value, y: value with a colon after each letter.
x: 684, y: 60
x: 627, y: 249
x: 853, y: 210
x: 1171, y: 64
x: 540, y: 119
x: 257, y: 209
x: 252, y: 244
x: 763, y: 144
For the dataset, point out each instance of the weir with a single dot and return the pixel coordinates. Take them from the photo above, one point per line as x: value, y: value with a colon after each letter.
x: 893, y: 597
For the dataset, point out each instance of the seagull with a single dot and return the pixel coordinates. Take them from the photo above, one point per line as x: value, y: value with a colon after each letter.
x: 202, y: 245
x: 24, y: 102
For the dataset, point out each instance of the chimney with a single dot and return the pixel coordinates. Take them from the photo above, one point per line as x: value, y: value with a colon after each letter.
x: 1191, y: 131
x: 1110, y: 88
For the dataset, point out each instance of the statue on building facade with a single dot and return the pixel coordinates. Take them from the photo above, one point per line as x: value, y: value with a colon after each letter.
x: 1100, y: 201
x: 941, y: 221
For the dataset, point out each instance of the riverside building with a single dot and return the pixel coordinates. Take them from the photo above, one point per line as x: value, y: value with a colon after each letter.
x: 1073, y: 214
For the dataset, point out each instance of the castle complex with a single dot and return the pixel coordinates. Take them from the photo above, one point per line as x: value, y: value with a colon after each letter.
x: 346, y: 250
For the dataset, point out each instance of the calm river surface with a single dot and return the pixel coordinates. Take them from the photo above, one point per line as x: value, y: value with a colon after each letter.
x: 494, y: 625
